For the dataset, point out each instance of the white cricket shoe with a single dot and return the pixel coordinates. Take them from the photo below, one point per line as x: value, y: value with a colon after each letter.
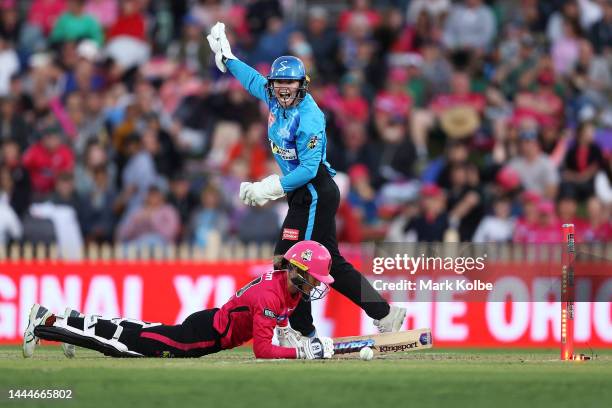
x: 70, y: 349
x: 391, y: 322
x: 38, y: 315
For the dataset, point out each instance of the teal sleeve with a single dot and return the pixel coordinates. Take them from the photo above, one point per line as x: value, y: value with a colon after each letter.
x: 57, y: 33
x: 309, y: 146
x: 251, y: 80
x: 96, y: 32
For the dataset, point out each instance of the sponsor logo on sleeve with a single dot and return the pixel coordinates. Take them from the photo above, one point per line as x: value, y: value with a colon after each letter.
x: 285, y: 154
x: 270, y: 314
x: 291, y: 234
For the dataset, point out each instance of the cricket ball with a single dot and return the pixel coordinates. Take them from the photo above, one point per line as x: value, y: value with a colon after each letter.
x: 366, y: 353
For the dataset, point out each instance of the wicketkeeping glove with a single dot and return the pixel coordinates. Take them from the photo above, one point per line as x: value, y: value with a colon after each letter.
x: 287, y: 337
x: 316, y: 348
x: 259, y: 193
x: 220, y: 45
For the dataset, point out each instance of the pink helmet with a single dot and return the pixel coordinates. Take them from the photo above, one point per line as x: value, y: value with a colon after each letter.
x: 311, y: 257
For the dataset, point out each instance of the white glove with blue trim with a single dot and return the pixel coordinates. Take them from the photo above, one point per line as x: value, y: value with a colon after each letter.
x: 220, y: 45
x: 259, y: 193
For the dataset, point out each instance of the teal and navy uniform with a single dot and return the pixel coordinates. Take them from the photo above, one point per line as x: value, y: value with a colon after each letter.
x: 298, y: 141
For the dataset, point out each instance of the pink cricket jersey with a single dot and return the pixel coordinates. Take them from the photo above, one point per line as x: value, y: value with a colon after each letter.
x: 254, y: 311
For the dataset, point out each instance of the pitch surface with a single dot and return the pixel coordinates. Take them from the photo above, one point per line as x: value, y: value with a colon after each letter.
x: 432, y: 378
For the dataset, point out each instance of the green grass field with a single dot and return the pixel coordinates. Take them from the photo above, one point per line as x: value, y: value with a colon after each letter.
x: 434, y: 378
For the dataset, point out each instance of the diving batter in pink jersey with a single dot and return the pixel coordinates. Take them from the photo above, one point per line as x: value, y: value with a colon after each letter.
x: 254, y: 312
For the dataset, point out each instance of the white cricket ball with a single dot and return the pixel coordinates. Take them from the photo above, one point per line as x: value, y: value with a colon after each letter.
x: 366, y: 353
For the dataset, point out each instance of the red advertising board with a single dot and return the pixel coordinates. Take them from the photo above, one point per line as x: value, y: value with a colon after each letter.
x: 169, y: 291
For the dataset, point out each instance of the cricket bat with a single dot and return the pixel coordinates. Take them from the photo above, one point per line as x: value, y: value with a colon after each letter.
x: 384, y: 343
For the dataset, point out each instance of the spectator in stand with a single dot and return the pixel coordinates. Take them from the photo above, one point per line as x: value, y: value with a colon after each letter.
x: 355, y: 149
x: 209, y: 218
x: 75, y: 24
x: 104, y: 11
x: 9, y: 64
x: 192, y: 49
x: 569, y: 12
x: 470, y: 25
x: 582, y: 162
x: 461, y: 106
x: 160, y: 145
x: 44, y: 13
x: 439, y: 170
x: 566, y: 47
x: 46, y: 159
x: 435, y: 9
x: 535, y: 169
x: 208, y: 12
x: 362, y: 197
x: 138, y: 174
x: 348, y: 224
x: 465, y: 208
x: 352, y: 105
x: 324, y: 42
x: 259, y: 225
x: 397, y: 153
x: 127, y: 43
x: 259, y: 12
x: 362, y: 9
x: 603, y: 183
x: 547, y: 230
x: 155, y: 223
x: 65, y: 192
x: 130, y: 22
x: 393, y: 100
x: 98, y: 219
x: 10, y: 23
x: 599, y: 227
x: 181, y: 197
x: 10, y: 225
x: 543, y: 105
x: 600, y: 33
x: 591, y: 76
x: 567, y: 208
x: 274, y: 41
x: 527, y: 222
x: 499, y: 226
x: 13, y: 125
x: 234, y: 105
x: 19, y: 190
x: 95, y: 156
x: 251, y: 150
x: 431, y: 224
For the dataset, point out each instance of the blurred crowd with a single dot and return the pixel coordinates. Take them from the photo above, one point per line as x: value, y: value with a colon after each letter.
x: 472, y: 120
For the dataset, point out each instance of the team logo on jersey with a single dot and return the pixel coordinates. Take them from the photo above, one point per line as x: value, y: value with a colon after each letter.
x: 285, y: 154
x: 307, y: 255
x: 312, y: 143
x: 270, y: 314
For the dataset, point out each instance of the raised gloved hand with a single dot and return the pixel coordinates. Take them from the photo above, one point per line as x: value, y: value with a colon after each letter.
x: 287, y: 337
x: 260, y: 192
x: 220, y: 45
x: 316, y: 348
x: 244, y: 187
